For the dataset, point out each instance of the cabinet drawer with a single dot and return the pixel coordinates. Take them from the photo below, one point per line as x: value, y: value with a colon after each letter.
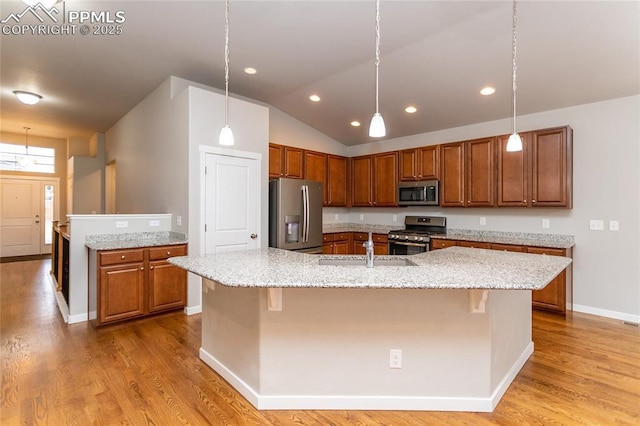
x: 380, y: 238
x: 327, y: 238
x: 117, y: 257
x: 360, y: 236
x: 160, y: 253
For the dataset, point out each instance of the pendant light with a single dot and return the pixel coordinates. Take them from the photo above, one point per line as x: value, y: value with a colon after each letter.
x: 515, y: 141
x: 226, y: 135
x: 377, y: 128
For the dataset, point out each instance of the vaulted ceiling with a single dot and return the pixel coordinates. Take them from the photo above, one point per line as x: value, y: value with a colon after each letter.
x: 435, y: 55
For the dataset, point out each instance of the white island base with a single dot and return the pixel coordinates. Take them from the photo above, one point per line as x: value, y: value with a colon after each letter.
x: 329, y: 348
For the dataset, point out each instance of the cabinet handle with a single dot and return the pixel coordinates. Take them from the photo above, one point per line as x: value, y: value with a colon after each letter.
x: 122, y: 257
x: 533, y: 201
x: 168, y: 253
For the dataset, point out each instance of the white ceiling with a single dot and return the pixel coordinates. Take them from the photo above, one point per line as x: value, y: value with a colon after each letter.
x: 436, y: 55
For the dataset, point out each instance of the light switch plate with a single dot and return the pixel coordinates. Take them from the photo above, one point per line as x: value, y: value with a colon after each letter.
x: 596, y: 225
x: 122, y: 224
x: 179, y: 220
x: 154, y: 223
x: 614, y: 225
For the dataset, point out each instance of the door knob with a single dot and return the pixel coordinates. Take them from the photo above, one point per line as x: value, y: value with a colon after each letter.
x: 254, y: 236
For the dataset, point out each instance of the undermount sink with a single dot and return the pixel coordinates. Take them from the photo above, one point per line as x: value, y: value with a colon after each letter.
x: 363, y: 262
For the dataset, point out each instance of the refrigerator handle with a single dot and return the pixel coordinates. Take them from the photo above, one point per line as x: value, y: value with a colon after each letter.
x: 306, y: 213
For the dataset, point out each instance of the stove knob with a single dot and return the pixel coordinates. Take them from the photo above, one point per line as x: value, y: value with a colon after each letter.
x: 405, y: 237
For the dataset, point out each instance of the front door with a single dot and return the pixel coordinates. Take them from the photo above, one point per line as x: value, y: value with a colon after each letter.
x: 28, y: 207
x: 232, y: 205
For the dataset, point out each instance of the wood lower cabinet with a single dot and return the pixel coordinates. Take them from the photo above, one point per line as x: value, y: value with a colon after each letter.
x: 473, y: 244
x: 380, y: 243
x: 138, y: 282
x: 336, y: 243
x: 436, y: 244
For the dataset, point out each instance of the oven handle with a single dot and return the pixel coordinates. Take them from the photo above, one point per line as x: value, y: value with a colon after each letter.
x: 411, y: 244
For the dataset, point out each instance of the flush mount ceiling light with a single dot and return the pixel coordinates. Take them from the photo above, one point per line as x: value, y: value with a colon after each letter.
x: 250, y: 70
x: 515, y: 141
x: 377, y: 128
x: 314, y: 98
x: 27, y: 98
x: 226, y: 135
x: 411, y: 109
x: 487, y: 91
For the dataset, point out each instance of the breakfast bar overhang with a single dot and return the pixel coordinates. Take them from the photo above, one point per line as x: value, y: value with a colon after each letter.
x: 289, y: 333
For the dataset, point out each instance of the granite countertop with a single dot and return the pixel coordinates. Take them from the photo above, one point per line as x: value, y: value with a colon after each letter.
x: 134, y: 240
x: 514, y: 238
x: 450, y: 268
x: 330, y: 228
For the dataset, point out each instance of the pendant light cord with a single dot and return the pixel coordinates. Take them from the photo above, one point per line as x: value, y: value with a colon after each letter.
x: 513, y: 55
x: 226, y: 63
x: 26, y: 139
x: 377, y: 48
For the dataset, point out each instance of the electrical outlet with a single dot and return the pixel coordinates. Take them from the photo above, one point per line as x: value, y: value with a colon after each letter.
x: 596, y: 225
x: 395, y: 218
x: 546, y: 223
x: 361, y: 217
x: 335, y: 217
x: 122, y: 224
x: 614, y: 225
x: 179, y: 220
x: 395, y: 358
x: 483, y: 221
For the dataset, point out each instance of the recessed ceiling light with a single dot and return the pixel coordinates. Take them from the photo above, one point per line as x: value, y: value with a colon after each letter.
x: 355, y: 123
x: 251, y: 71
x: 27, y: 98
x: 315, y: 98
x: 411, y: 109
x: 486, y: 91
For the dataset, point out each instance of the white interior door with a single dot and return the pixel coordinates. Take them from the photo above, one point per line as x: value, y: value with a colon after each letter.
x: 20, y: 219
x: 232, y: 203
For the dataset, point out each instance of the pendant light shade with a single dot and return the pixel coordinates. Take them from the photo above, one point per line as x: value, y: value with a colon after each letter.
x: 515, y: 141
x: 377, y: 128
x: 226, y: 135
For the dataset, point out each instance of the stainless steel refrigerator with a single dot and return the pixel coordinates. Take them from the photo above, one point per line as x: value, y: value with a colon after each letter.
x: 295, y: 215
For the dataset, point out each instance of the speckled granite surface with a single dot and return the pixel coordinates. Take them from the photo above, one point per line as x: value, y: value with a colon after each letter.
x: 134, y: 240
x: 358, y: 227
x: 451, y: 268
x: 516, y: 238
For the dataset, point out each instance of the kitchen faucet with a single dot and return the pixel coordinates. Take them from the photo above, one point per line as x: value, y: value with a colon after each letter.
x: 368, y: 245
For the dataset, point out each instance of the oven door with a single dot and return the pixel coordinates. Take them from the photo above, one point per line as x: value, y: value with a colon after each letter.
x: 401, y: 248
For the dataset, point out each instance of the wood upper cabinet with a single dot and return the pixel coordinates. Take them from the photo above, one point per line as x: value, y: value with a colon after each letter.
x: 419, y: 163
x: 452, y: 182
x: 552, y: 168
x: 315, y: 168
x: 374, y: 180
x: 337, y: 181
x: 480, y: 173
x: 467, y: 176
x: 541, y: 174
x: 513, y: 173
x: 385, y: 176
x: 286, y: 161
x: 361, y: 181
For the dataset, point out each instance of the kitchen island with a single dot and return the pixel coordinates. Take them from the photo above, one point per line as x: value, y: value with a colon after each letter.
x: 289, y: 333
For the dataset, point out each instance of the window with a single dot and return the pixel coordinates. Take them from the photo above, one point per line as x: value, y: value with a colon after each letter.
x: 20, y: 158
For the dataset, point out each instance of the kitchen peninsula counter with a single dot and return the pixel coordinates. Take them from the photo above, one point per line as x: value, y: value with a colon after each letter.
x: 288, y: 333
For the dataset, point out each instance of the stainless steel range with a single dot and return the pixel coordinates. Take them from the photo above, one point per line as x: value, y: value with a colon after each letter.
x: 416, y: 236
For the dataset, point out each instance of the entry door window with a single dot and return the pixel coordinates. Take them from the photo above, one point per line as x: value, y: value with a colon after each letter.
x: 49, y: 207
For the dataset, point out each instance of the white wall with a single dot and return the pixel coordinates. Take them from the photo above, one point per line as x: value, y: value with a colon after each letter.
x: 606, y: 185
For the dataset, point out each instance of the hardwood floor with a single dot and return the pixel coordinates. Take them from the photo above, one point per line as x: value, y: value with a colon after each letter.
x: 585, y: 371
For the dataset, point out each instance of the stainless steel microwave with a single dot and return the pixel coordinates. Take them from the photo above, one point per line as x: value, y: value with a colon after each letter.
x: 420, y: 193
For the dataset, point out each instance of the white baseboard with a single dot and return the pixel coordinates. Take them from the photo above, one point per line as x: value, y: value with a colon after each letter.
x: 73, y: 319
x: 192, y: 310
x: 367, y: 402
x: 606, y: 313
